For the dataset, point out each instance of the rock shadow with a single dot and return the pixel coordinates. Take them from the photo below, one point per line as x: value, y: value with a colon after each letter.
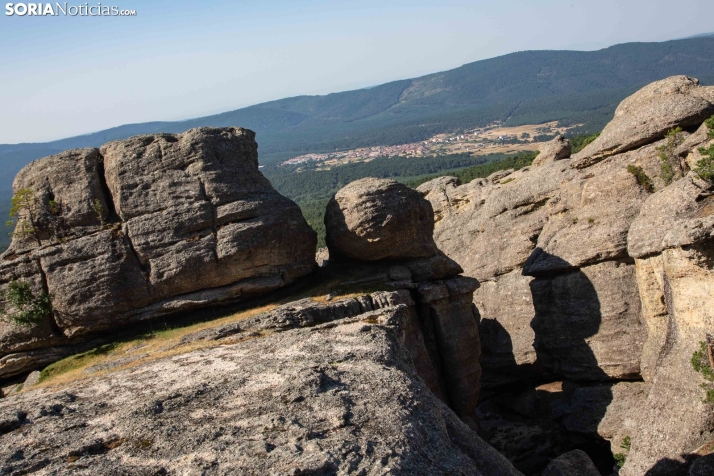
x: 693, y: 465
x: 567, y: 312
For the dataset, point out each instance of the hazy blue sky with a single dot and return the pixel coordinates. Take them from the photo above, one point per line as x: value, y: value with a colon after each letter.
x: 63, y: 76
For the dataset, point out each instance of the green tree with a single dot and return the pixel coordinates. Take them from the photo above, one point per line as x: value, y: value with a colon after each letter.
x: 27, y: 308
x: 23, y: 213
x: 670, y: 167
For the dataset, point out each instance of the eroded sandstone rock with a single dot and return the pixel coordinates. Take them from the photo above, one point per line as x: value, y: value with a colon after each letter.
x: 342, y: 397
x: 557, y: 149
x: 377, y: 219
x: 148, y: 226
x: 573, y: 463
x: 678, y: 101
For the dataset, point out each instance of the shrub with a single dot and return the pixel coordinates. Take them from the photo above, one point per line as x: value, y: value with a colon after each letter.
x: 97, y: 207
x: 710, y: 125
x: 705, y: 165
x: 642, y: 178
x: 669, y: 163
x: 702, y: 363
x: 29, y: 308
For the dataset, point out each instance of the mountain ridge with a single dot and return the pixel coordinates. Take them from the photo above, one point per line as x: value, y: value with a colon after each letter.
x: 574, y: 87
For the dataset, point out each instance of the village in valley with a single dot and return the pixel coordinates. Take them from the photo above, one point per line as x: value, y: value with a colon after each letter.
x: 495, y: 138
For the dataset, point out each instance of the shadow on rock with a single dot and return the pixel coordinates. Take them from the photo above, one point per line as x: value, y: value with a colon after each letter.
x: 558, y: 403
x: 693, y: 465
x: 568, y: 312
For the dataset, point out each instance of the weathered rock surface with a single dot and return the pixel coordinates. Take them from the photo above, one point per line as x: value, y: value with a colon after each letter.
x: 573, y: 463
x: 377, y: 219
x: 552, y: 220
x: 557, y: 149
x: 587, y: 275
x: 679, y: 215
x: 673, y: 244
x: 678, y: 101
x: 340, y: 398
x: 587, y: 323
x: 149, y: 226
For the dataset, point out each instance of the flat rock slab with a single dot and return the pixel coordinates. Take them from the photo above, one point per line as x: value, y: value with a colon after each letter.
x: 341, y: 399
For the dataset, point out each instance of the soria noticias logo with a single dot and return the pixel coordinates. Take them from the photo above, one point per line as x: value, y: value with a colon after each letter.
x: 64, y: 9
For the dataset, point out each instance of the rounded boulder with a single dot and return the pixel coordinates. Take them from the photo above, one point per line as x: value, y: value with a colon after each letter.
x: 374, y: 219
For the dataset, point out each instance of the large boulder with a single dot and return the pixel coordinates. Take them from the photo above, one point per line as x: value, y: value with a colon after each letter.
x: 557, y: 149
x: 384, y: 220
x: 596, y: 269
x: 148, y: 226
x: 647, y: 115
x: 573, y: 463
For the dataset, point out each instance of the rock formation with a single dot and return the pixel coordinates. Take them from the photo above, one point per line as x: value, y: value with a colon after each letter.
x: 380, y: 223
x: 341, y: 397
x: 580, y: 333
x: 557, y: 149
x: 376, y: 219
x: 143, y: 227
x: 590, y: 278
x: 648, y: 114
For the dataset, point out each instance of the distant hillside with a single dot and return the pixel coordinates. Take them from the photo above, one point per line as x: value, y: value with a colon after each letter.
x: 526, y: 87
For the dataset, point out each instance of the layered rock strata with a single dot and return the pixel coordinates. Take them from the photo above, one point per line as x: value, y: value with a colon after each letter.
x: 145, y: 227
x: 590, y: 278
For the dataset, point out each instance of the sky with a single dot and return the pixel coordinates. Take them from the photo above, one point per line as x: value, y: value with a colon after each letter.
x: 63, y: 76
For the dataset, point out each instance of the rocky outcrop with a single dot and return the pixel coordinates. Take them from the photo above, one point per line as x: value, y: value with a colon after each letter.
x: 376, y: 219
x: 384, y: 229
x: 644, y: 117
x: 557, y: 149
x: 337, y: 398
x: 589, y: 277
x: 573, y: 463
x: 674, y: 250
x: 144, y: 227
x: 561, y: 226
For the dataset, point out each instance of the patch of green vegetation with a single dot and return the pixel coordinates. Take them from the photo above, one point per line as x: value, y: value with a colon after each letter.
x: 580, y: 141
x: 705, y: 165
x: 621, y: 457
x: 466, y: 175
x: 670, y: 168
x: 97, y: 207
x: 710, y: 126
x: 702, y: 364
x: 28, y: 308
x: 76, y: 361
x: 508, y: 180
x: 642, y: 178
x: 23, y: 212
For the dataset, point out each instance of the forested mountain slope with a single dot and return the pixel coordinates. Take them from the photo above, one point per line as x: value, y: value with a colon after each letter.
x: 525, y: 87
